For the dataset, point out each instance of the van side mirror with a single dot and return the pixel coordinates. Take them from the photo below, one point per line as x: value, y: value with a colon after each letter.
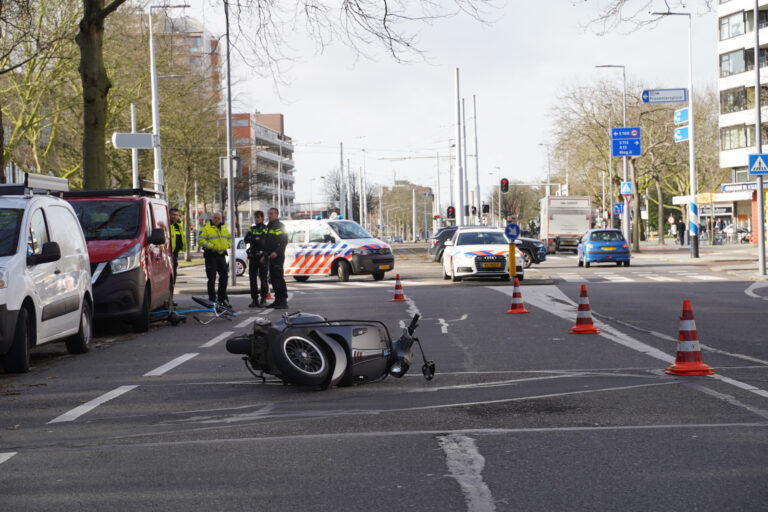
x: 51, y: 252
x: 448, y: 243
x: 157, y: 236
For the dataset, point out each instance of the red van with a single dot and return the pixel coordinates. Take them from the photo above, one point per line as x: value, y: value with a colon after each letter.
x: 127, y: 233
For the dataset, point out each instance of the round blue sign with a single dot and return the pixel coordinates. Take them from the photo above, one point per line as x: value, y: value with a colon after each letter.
x: 512, y: 231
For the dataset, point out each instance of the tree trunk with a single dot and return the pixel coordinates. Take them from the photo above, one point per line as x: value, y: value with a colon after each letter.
x: 187, y: 211
x: 660, y: 209
x: 96, y: 87
x: 2, y: 147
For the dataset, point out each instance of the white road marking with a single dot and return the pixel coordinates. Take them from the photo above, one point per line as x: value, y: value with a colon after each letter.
x: 465, y: 464
x: 754, y: 286
x: 443, y: 325
x: 217, y: 339
x: 573, y: 278
x: 89, y: 406
x: 618, y: 279
x: 706, y: 277
x: 663, y: 278
x: 549, y: 298
x: 7, y: 455
x: 160, y: 370
x: 245, y: 323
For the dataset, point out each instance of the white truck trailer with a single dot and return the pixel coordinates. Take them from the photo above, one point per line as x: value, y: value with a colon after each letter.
x: 564, y: 219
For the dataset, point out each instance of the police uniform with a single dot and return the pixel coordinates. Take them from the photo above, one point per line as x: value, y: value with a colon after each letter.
x: 257, y: 271
x: 215, y: 240
x: 275, y: 241
x: 178, y: 243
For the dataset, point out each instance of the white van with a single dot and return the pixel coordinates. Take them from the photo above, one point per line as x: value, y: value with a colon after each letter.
x: 45, y: 273
x: 337, y: 247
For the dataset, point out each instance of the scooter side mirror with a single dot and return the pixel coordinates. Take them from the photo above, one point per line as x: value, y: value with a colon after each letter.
x: 428, y: 370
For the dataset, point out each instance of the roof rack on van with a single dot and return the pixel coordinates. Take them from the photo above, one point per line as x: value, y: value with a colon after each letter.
x: 35, y: 184
x: 146, y: 192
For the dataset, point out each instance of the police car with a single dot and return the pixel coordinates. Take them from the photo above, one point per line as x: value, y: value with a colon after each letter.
x: 334, y: 247
x: 45, y: 272
x: 479, y: 252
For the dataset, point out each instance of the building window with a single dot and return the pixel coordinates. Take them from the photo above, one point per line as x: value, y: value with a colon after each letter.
x: 735, y: 137
x: 732, y: 25
x: 242, y: 141
x: 735, y: 62
x: 735, y: 100
x: 239, y: 121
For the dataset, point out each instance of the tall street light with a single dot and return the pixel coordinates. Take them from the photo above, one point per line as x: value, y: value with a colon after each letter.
x: 625, y: 215
x: 693, y: 206
x: 158, y: 174
x: 549, y: 170
x: 498, y: 183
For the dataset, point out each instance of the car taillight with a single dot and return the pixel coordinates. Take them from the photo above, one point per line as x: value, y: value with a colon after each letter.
x: 625, y: 245
x: 434, y: 242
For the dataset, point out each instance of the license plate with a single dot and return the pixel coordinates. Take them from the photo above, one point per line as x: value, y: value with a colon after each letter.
x: 493, y: 264
x: 607, y: 248
x: 384, y: 267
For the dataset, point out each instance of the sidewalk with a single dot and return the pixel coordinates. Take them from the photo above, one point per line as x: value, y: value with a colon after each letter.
x: 736, y: 259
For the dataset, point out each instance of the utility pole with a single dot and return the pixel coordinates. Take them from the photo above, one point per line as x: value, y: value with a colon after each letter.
x: 478, y: 199
x: 459, y: 193
x: 342, y: 183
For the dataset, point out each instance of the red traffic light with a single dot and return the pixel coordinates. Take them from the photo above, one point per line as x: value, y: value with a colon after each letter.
x: 451, y: 214
x: 504, y: 185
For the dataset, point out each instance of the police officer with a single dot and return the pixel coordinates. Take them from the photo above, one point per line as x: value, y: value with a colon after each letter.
x: 178, y: 240
x: 274, y: 248
x: 215, y: 239
x: 254, y: 239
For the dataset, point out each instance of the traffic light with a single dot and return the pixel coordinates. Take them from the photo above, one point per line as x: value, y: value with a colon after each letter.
x: 486, y: 209
x: 466, y: 210
x: 474, y: 210
x: 504, y: 185
x: 451, y: 212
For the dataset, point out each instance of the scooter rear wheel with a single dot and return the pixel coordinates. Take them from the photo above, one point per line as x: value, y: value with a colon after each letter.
x: 301, y: 360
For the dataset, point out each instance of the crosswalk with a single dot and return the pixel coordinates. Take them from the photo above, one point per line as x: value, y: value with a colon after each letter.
x: 680, y: 276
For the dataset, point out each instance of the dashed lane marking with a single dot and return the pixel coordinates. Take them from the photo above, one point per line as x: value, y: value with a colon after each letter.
x: 618, y: 279
x: 160, y: 370
x: 89, y: 406
x: 7, y: 455
x: 217, y: 339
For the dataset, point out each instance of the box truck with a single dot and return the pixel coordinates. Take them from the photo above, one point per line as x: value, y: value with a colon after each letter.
x: 564, y: 219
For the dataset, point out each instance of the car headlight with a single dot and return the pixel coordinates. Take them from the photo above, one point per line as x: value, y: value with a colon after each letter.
x: 361, y: 252
x: 538, y: 244
x: 3, y: 278
x: 129, y: 260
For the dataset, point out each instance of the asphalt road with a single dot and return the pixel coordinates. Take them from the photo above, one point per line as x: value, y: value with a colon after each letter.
x: 521, y: 415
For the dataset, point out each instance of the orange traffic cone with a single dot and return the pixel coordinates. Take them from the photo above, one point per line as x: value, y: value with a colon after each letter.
x: 269, y: 295
x: 517, y: 300
x: 399, y: 297
x: 584, y: 323
x: 688, y: 360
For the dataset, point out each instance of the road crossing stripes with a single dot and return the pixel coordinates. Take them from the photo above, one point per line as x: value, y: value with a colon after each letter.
x: 672, y: 277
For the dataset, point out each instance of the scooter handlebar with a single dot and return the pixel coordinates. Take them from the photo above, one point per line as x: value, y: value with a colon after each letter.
x: 414, y: 324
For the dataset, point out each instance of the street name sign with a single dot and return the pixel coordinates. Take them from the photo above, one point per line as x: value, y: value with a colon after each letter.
x: 681, y: 116
x: 132, y: 140
x: 665, y: 95
x: 681, y: 134
x: 625, y: 141
x: 512, y: 231
x: 758, y: 165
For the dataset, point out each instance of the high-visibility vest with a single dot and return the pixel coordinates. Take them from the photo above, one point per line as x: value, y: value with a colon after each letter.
x: 178, y: 229
x: 215, y: 238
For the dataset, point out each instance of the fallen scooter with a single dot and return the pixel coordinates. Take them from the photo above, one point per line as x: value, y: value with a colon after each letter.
x: 309, y: 350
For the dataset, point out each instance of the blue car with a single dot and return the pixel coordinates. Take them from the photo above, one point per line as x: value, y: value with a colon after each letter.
x: 603, y: 246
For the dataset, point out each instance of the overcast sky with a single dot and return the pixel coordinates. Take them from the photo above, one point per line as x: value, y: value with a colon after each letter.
x: 516, y: 67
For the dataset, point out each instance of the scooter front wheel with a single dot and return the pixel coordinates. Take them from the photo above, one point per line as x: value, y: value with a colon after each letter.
x: 301, y: 360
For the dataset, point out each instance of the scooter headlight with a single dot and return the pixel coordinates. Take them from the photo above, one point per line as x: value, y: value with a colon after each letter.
x: 399, y: 368
x: 128, y: 260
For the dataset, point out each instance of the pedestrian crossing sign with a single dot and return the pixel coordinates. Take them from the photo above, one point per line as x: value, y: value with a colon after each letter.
x: 757, y: 165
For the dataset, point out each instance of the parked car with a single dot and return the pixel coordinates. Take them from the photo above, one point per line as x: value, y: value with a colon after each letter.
x: 601, y: 246
x: 437, y: 242
x: 241, y: 256
x: 45, y: 275
x: 130, y: 251
x: 397, y: 239
x: 533, y: 250
x: 479, y: 252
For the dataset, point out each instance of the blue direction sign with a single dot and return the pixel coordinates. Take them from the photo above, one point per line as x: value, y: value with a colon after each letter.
x: 625, y: 141
x: 681, y: 116
x: 618, y: 208
x: 758, y: 165
x: 665, y: 95
x: 681, y: 134
x: 512, y: 231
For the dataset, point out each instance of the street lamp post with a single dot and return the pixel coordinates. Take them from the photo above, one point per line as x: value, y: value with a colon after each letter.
x: 693, y: 206
x: 549, y: 169
x: 625, y: 215
x: 158, y: 174
x: 498, y: 183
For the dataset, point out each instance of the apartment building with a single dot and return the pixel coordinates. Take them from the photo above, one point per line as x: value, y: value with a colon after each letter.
x: 266, y: 156
x: 737, y: 201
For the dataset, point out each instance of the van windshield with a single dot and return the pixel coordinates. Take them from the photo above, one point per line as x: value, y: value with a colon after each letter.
x: 108, y: 220
x: 10, y: 224
x: 349, y: 230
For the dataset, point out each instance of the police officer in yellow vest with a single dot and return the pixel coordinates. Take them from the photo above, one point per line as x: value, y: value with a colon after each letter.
x: 215, y: 239
x: 178, y: 240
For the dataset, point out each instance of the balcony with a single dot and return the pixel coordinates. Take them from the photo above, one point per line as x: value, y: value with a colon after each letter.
x: 275, y: 158
x: 261, y: 134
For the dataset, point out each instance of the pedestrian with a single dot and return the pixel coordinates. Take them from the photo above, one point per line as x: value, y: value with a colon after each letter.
x: 681, y: 231
x: 254, y: 239
x: 274, y: 248
x: 719, y: 226
x: 178, y: 240
x: 215, y: 240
